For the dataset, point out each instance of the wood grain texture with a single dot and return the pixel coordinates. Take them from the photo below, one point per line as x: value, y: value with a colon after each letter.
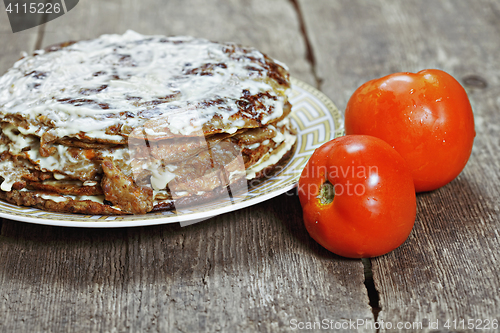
x: 252, y: 270
x: 13, y: 44
x: 449, y: 266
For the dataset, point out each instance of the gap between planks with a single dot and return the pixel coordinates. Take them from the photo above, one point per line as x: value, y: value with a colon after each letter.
x: 373, y: 294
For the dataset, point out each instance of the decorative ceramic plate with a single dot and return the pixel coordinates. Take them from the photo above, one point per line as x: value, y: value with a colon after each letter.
x: 317, y: 121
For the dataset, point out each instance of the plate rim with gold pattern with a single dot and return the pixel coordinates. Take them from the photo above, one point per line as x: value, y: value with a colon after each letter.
x: 317, y: 121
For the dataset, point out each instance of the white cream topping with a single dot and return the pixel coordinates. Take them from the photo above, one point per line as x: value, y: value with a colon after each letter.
x: 279, y: 137
x: 283, y: 122
x: 94, y: 84
x: 62, y: 163
x: 9, y: 177
x: 160, y: 177
x: 236, y: 174
x: 253, y: 146
x: 65, y: 197
x: 18, y: 141
x: 54, y: 197
x: 272, y: 157
x: 94, y: 198
x: 59, y: 176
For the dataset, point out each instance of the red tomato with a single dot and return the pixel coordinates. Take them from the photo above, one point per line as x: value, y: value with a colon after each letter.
x: 426, y: 117
x: 357, y: 197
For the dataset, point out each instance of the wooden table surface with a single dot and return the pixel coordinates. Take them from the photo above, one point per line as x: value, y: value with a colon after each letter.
x: 257, y: 269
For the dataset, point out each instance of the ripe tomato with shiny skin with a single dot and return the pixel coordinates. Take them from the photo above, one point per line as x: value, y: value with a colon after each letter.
x: 425, y: 116
x: 357, y: 197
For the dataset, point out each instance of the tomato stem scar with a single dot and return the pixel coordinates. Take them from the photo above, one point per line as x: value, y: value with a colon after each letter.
x: 326, y: 193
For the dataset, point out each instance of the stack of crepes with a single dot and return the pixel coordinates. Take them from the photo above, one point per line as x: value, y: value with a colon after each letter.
x: 129, y: 124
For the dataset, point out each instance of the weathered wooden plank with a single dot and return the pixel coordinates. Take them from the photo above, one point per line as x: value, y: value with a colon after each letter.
x: 270, y: 26
x: 14, y: 43
x: 448, y: 268
x: 251, y: 270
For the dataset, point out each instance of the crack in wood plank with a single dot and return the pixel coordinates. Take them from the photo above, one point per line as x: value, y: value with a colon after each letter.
x: 309, y: 49
x: 373, y: 294
x: 39, y: 37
